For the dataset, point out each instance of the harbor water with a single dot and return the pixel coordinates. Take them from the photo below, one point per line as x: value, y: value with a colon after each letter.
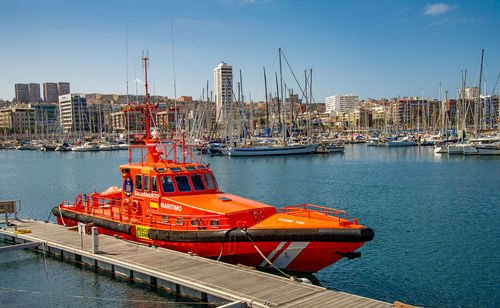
x: 435, y: 217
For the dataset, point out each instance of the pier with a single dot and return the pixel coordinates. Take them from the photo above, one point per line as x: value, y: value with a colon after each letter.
x: 210, y: 281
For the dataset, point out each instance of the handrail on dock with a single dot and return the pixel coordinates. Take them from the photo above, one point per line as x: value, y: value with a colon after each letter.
x: 9, y: 207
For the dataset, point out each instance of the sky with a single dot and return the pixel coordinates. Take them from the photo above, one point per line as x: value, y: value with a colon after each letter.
x: 373, y: 49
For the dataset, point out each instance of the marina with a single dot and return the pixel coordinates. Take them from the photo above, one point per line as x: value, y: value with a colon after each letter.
x: 272, y: 154
x: 443, y: 193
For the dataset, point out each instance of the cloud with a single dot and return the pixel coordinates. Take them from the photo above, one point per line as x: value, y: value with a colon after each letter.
x: 138, y: 81
x: 437, y: 9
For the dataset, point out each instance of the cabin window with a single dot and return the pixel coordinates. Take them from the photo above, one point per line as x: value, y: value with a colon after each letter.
x: 182, y: 183
x: 164, y: 219
x: 201, y: 167
x: 190, y: 168
x: 154, y: 185
x: 180, y: 221
x: 167, y: 184
x: 214, y: 223
x: 209, y: 180
x: 195, y: 222
x: 175, y: 169
x: 146, y: 183
x: 138, y: 181
x: 197, y: 182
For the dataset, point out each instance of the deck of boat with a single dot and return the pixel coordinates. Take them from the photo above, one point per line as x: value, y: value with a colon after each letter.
x: 208, y: 280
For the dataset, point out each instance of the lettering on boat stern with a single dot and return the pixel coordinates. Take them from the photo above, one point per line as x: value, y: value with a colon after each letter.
x: 128, y: 188
x: 291, y: 221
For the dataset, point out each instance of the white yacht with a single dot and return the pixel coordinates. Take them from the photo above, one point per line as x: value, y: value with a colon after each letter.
x: 270, y: 150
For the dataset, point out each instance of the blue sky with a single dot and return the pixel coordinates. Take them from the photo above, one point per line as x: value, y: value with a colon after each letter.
x: 375, y: 49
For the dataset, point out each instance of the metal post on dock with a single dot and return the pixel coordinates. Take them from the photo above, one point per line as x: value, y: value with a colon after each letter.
x: 95, y: 240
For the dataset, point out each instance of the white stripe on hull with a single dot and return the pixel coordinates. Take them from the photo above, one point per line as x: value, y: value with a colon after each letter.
x: 287, y: 256
x: 271, y: 255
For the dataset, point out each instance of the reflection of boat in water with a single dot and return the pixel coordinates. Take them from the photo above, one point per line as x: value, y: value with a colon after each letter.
x: 177, y: 204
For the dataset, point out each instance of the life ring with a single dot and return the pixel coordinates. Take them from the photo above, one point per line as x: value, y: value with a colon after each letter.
x: 135, y: 207
x: 125, y: 206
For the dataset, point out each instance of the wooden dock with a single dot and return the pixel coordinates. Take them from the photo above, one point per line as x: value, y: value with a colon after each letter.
x: 205, y: 279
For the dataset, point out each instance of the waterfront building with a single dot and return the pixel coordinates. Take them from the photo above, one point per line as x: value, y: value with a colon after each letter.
x: 223, y: 91
x: 341, y: 103
x: 34, y: 92
x: 22, y: 92
x: 491, y: 111
x: 73, y: 113
x: 63, y: 88
x: 120, y: 118
x: 46, y: 117
x: 468, y: 93
x: 50, y: 92
x: 17, y: 119
x: 413, y: 112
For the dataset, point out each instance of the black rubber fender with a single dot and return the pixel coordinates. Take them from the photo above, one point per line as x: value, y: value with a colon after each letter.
x: 99, y: 222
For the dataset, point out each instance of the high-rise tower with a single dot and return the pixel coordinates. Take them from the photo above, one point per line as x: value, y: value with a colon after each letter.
x: 223, y: 90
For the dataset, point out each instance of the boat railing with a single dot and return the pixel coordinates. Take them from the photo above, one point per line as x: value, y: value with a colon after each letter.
x: 169, y: 150
x: 309, y: 208
x: 113, y: 209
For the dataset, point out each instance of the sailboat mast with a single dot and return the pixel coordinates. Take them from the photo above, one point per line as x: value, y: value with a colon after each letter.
x: 283, y: 124
x: 309, y: 106
x: 148, y: 123
x: 478, y: 102
x: 267, y: 103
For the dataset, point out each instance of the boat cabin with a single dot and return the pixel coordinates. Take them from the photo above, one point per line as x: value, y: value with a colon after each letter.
x: 185, y: 195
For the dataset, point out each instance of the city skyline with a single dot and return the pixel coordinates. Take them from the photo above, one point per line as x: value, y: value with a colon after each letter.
x: 373, y: 50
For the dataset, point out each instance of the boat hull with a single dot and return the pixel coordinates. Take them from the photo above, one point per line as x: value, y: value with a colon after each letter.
x: 288, y: 249
x: 484, y: 150
x: 270, y: 151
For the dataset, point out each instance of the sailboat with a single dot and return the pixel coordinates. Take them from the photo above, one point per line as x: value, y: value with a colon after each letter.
x: 281, y: 147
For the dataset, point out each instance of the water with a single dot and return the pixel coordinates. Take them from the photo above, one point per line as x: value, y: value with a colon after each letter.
x: 436, y: 219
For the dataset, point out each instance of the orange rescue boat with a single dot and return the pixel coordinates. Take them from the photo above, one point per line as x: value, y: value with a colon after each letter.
x: 177, y: 204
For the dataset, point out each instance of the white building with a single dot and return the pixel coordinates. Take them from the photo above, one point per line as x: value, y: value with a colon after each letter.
x: 73, y: 113
x: 223, y: 90
x: 341, y: 103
